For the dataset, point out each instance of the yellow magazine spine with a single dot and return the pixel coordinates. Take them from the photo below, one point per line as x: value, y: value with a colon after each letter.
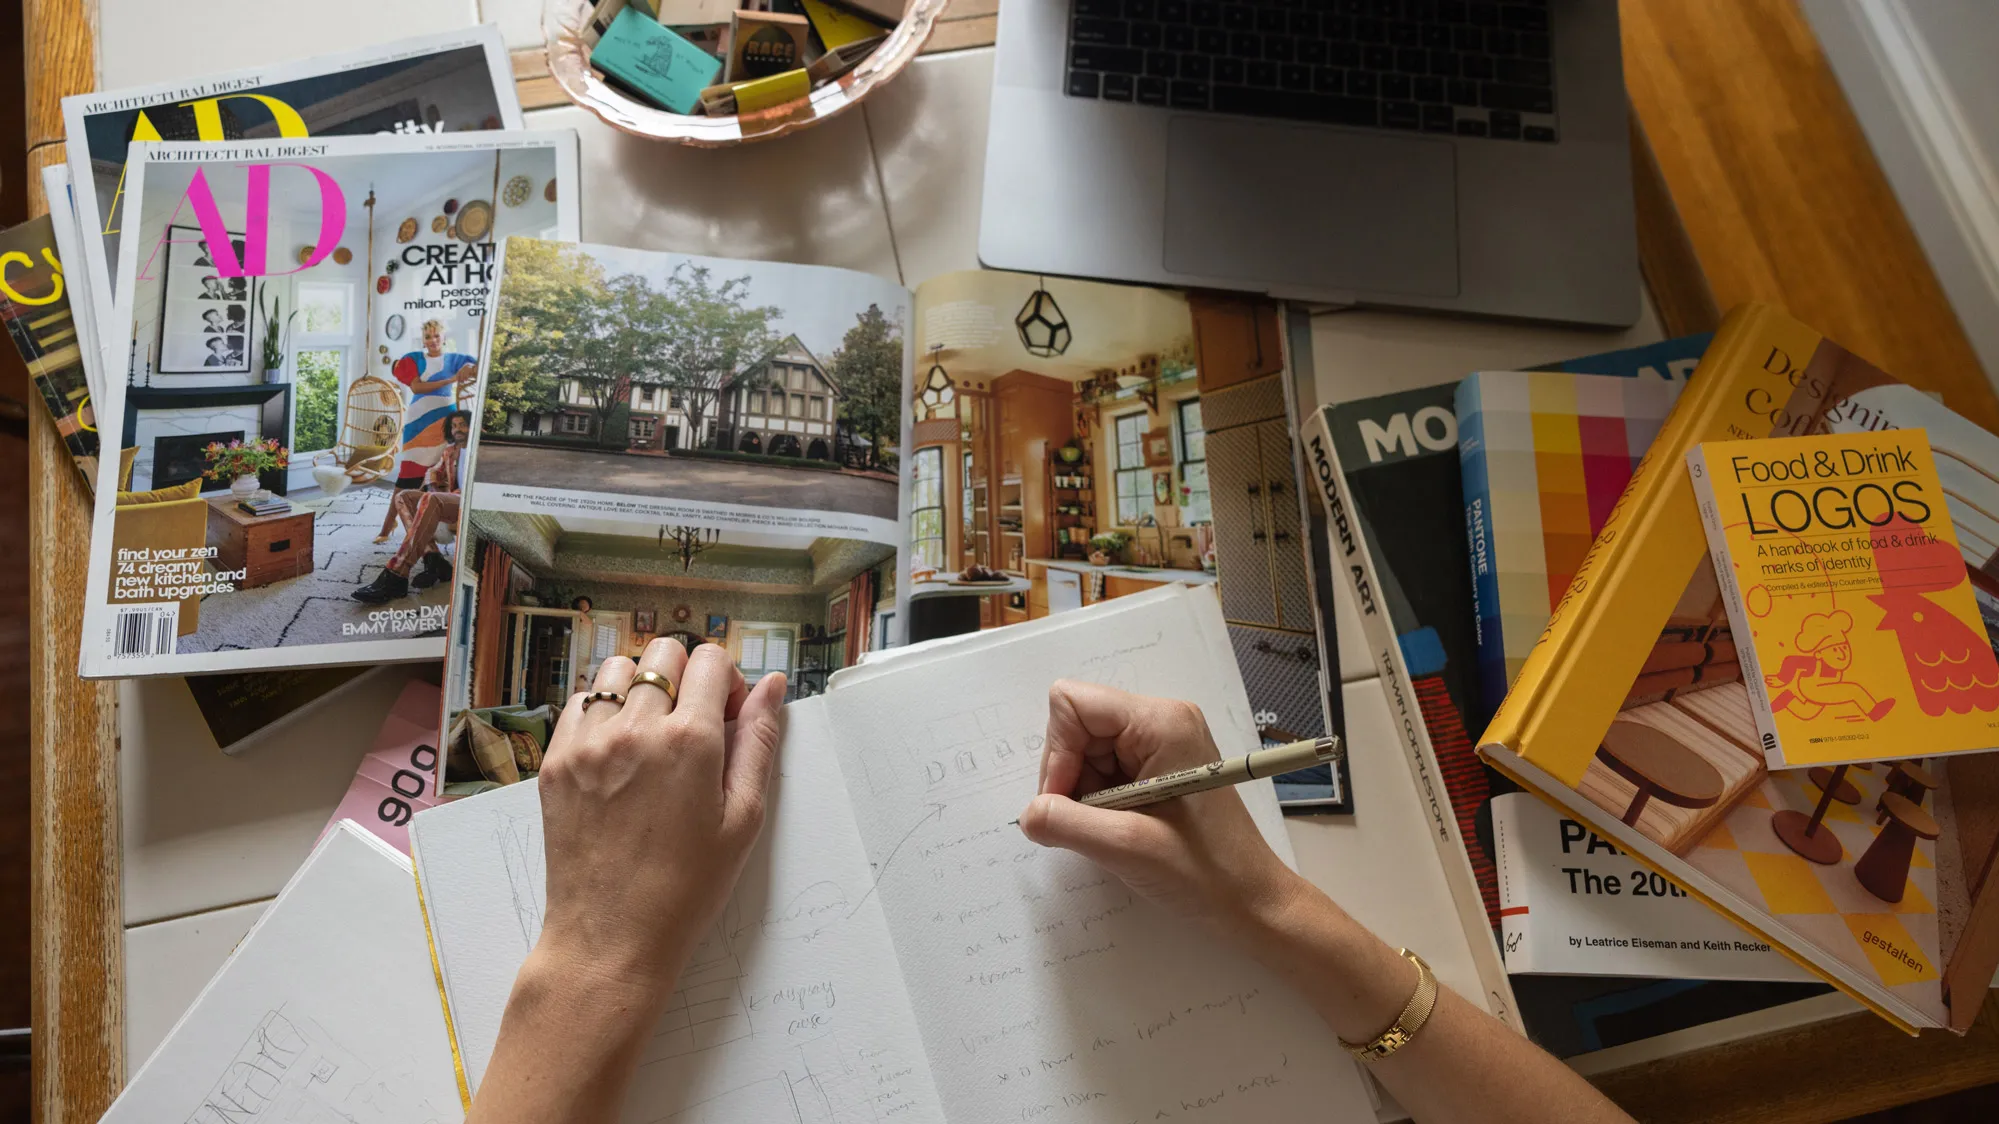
x: 1599, y: 634
x: 437, y: 972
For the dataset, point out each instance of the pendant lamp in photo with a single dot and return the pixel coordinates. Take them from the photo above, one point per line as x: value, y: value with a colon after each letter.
x: 1044, y: 331
x: 938, y: 389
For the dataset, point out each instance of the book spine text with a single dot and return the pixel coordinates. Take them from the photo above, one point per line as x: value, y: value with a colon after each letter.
x: 1351, y: 556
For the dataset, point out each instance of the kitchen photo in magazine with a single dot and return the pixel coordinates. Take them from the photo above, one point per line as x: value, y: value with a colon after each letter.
x: 1074, y: 442
x: 302, y: 321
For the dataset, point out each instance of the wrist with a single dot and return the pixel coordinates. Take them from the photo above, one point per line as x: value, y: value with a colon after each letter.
x: 1357, y: 981
x: 1273, y: 907
x: 619, y: 990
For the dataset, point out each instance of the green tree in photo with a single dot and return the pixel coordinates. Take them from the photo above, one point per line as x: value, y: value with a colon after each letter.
x: 316, y: 425
x: 619, y: 350
x: 707, y: 338
x: 868, y: 369
x: 547, y: 312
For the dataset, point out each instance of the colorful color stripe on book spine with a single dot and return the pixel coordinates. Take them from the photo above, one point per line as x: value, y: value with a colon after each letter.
x: 1464, y: 775
x: 1582, y: 438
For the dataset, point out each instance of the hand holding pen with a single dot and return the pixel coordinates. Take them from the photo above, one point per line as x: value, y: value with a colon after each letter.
x: 1199, y: 854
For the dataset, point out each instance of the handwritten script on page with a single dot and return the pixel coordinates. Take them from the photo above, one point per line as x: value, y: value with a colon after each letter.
x: 1045, y: 990
x: 897, y: 950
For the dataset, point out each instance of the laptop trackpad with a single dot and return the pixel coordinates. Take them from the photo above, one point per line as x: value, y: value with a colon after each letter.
x: 1294, y: 206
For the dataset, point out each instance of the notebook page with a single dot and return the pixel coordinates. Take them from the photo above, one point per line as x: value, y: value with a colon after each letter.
x: 1045, y: 991
x: 326, y: 1011
x: 791, y: 1011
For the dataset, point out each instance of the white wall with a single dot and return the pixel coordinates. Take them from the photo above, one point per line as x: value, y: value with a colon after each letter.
x: 1920, y: 77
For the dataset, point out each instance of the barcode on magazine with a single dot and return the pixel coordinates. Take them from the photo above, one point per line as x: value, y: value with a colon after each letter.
x: 145, y: 630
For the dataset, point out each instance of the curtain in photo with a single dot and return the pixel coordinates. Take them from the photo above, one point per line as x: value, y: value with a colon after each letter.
x: 489, y: 625
x: 860, y: 615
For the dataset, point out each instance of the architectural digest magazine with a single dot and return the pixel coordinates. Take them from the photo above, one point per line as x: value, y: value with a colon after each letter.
x: 445, y: 83
x: 302, y: 320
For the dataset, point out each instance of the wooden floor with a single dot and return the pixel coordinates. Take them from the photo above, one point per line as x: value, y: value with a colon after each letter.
x: 1779, y: 192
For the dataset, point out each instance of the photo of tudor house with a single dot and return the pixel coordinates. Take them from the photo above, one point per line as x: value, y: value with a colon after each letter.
x: 544, y: 600
x: 712, y: 381
x: 303, y: 461
x: 785, y: 404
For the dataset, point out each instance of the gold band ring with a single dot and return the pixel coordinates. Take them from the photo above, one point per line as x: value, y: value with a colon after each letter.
x: 655, y: 679
x: 602, y: 696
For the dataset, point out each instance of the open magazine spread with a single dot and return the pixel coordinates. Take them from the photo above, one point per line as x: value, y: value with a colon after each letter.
x: 303, y: 319
x: 676, y: 446
x: 444, y: 83
x: 806, y: 464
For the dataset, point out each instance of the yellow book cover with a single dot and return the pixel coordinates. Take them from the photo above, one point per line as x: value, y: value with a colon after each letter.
x: 1632, y: 712
x: 1838, y: 561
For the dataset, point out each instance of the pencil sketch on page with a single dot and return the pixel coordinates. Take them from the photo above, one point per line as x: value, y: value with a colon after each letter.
x: 709, y: 1008
x: 823, y: 1082
x: 291, y: 1070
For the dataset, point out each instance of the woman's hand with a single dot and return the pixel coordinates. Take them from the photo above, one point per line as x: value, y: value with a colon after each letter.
x: 1198, y: 855
x: 649, y: 810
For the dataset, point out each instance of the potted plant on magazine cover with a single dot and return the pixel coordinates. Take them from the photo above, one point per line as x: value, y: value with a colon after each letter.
x: 239, y: 462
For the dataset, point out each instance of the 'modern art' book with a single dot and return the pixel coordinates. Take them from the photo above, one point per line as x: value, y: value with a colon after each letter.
x: 1838, y: 562
x: 1632, y: 714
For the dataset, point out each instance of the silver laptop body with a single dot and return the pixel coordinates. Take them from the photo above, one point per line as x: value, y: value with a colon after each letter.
x: 1117, y: 185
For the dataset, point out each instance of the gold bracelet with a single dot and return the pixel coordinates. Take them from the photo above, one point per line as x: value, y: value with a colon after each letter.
x: 1414, y: 1014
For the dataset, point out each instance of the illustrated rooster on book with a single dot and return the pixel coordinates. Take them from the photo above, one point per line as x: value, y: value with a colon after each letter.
x: 1951, y: 663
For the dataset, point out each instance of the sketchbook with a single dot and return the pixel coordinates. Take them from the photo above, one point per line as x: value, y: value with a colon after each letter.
x: 896, y: 949
x: 326, y: 1011
x: 805, y: 464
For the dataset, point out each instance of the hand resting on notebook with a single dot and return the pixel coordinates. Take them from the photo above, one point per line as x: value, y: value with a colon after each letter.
x: 1200, y: 856
x: 650, y: 806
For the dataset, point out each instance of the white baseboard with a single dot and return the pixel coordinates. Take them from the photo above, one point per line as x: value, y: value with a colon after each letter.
x: 1945, y: 180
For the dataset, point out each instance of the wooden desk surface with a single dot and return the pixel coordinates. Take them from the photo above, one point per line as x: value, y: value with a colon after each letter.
x: 1782, y: 201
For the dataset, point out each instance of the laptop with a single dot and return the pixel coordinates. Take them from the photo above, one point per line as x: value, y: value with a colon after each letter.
x: 1469, y: 157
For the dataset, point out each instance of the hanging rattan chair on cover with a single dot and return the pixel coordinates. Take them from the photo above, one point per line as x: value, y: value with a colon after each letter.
x: 371, y: 432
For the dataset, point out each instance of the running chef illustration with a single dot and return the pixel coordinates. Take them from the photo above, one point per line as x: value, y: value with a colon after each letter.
x: 1813, y: 682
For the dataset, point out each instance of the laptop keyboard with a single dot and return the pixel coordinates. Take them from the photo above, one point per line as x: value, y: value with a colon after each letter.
x: 1473, y: 69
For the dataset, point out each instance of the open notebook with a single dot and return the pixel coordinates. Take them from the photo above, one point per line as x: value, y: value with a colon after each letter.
x: 325, y: 1012
x: 896, y: 949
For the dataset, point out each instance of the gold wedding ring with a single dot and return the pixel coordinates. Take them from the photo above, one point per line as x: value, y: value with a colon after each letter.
x: 602, y: 696
x: 655, y: 679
